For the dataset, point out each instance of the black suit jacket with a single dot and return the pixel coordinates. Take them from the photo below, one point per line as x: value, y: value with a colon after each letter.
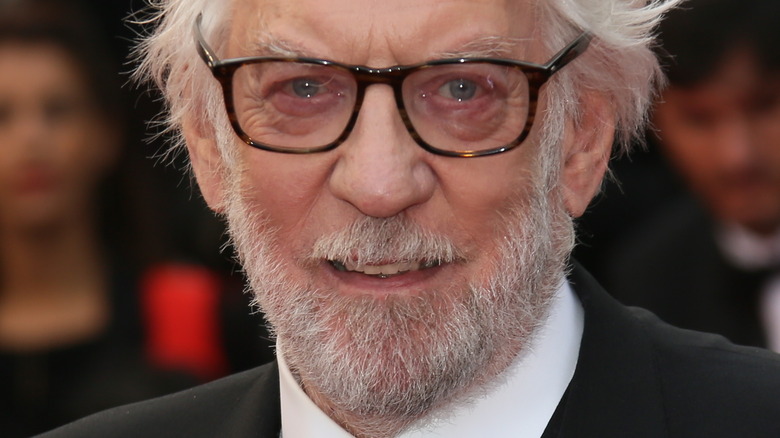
x: 673, y: 267
x: 635, y: 377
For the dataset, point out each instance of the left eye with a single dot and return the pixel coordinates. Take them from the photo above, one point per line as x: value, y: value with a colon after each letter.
x: 306, y: 88
x: 459, y: 89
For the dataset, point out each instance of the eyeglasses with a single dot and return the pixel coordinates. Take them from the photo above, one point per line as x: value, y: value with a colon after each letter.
x: 460, y: 107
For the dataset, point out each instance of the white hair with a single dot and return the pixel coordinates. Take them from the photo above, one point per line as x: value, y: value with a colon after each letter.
x: 168, y: 58
x: 619, y: 63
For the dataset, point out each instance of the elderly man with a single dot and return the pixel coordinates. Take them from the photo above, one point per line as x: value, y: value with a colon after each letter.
x: 399, y: 178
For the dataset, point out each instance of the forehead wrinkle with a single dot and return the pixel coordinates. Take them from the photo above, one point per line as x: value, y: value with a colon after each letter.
x: 388, y: 48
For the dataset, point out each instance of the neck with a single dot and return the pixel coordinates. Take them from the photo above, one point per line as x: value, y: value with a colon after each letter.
x: 52, y: 285
x: 37, y: 259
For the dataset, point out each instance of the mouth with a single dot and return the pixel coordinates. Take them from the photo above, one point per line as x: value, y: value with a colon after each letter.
x: 383, y: 271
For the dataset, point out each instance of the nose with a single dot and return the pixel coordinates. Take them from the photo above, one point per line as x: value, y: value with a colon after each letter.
x: 381, y: 170
x: 735, y: 146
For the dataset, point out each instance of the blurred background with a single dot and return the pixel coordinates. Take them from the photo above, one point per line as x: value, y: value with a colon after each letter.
x: 113, y: 283
x: 690, y: 226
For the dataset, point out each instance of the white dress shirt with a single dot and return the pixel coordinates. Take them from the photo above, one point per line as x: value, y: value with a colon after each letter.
x: 750, y: 251
x: 520, y: 406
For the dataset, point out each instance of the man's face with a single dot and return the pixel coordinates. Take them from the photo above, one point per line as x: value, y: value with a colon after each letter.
x: 722, y: 136
x: 380, y: 172
x: 396, y: 278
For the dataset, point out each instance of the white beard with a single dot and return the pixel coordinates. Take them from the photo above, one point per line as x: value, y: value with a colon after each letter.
x: 380, y: 365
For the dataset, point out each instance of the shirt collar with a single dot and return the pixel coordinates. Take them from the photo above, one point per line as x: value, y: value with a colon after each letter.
x: 519, y: 406
x: 748, y: 250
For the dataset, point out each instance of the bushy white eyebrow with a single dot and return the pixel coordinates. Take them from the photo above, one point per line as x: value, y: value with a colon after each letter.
x: 487, y: 47
x: 268, y: 45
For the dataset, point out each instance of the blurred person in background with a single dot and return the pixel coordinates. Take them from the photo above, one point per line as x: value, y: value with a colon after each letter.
x: 85, y: 324
x: 710, y: 260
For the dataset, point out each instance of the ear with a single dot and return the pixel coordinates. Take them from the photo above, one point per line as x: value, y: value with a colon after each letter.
x: 587, y: 147
x: 206, y: 161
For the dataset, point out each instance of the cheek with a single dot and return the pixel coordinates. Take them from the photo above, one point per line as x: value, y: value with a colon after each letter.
x: 482, y: 192
x: 767, y: 136
x: 81, y: 156
x: 678, y: 138
x: 687, y: 158
x: 287, y: 190
x: 8, y: 159
x: 686, y: 147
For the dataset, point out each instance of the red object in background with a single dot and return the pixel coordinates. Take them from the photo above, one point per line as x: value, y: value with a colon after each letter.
x: 181, y: 309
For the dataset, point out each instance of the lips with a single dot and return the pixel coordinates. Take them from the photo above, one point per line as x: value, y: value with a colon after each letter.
x: 383, y: 270
x: 35, y: 178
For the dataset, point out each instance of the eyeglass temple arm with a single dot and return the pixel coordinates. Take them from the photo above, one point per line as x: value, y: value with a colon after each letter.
x: 204, y: 50
x: 569, y: 53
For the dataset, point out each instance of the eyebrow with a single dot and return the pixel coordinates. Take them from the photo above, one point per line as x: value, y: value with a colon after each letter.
x: 487, y: 47
x: 267, y: 44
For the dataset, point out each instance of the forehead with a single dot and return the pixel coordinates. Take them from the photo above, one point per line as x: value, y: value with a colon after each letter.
x: 380, y: 32
x: 731, y: 86
x: 739, y: 70
x: 32, y: 65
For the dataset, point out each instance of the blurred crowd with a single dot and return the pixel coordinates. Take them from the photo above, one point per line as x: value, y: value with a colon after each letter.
x: 109, y: 288
x: 106, y: 293
x: 691, y: 228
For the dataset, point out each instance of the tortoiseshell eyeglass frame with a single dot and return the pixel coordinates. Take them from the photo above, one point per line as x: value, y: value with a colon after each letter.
x: 537, y: 75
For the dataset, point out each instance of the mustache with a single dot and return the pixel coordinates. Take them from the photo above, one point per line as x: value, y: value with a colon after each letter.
x: 371, y: 240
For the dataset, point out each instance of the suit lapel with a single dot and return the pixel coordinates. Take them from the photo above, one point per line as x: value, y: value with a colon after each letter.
x: 257, y: 411
x: 615, y: 391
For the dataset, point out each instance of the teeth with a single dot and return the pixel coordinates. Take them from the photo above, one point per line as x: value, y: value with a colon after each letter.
x: 383, y: 271
x: 391, y: 269
x: 430, y: 264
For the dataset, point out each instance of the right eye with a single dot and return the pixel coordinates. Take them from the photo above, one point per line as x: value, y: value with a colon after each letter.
x: 60, y: 109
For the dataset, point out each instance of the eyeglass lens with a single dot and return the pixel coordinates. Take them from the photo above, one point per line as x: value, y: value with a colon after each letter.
x: 455, y: 107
